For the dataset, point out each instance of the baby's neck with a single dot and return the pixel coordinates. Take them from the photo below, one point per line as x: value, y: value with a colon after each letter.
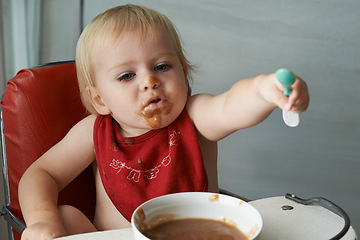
x: 134, y: 132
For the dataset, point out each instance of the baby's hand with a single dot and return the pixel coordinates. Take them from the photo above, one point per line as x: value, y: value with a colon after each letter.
x: 272, y: 91
x: 43, y: 231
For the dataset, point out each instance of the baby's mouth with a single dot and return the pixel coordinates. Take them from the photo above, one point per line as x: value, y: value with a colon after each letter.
x: 153, y: 109
x: 154, y: 102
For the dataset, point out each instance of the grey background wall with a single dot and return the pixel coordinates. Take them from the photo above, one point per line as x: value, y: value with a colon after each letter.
x: 231, y: 40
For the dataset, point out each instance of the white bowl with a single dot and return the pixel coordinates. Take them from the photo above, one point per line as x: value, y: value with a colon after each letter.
x: 197, y: 205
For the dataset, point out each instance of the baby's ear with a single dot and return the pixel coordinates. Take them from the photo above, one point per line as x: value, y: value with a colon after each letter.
x: 96, y: 100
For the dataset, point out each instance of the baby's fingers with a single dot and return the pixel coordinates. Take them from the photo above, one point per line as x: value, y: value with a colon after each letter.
x: 281, y: 100
x: 298, y: 100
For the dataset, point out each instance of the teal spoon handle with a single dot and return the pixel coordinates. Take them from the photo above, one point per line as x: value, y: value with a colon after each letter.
x: 286, y: 78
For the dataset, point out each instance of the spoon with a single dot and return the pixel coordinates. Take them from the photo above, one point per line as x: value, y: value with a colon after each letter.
x: 287, y: 78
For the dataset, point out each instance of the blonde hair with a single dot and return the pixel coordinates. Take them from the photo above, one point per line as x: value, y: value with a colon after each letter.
x: 110, y: 25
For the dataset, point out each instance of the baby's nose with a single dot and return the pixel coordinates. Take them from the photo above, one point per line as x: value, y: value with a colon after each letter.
x: 151, y: 83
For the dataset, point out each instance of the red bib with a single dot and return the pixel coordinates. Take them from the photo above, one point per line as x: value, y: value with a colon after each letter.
x: 159, y: 162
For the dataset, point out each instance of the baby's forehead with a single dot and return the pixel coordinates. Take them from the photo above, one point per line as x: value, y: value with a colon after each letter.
x: 114, y: 34
x: 107, y: 40
x: 122, y: 43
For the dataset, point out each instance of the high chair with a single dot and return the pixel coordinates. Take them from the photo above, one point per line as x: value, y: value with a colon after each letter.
x: 38, y: 108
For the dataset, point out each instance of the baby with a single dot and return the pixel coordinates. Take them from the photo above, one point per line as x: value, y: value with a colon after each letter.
x: 146, y: 135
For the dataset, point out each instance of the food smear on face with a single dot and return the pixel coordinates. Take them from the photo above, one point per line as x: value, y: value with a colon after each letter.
x: 194, y: 228
x: 153, y: 114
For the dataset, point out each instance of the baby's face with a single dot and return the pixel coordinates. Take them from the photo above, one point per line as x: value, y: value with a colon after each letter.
x: 141, y: 82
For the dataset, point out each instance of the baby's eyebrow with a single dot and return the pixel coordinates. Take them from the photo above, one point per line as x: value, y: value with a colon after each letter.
x: 122, y: 64
x: 171, y: 54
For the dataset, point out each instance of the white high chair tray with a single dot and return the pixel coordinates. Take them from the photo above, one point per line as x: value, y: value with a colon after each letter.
x: 119, y: 234
x: 299, y: 223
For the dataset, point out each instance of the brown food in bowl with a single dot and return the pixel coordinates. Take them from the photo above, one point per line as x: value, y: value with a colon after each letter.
x: 194, y: 228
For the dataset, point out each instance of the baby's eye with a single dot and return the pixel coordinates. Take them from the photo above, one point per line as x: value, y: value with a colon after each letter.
x: 162, y: 67
x: 126, y: 76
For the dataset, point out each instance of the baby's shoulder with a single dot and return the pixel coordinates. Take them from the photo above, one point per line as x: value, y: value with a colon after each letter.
x: 196, y: 102
x: 85, y: 124
x: 82, y: 130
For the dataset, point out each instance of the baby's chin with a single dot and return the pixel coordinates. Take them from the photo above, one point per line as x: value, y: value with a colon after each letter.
x: 160, y: 121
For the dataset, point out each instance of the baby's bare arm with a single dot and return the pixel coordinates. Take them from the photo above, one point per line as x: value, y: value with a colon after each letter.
x: 40, y: 184
x: 246, y: 104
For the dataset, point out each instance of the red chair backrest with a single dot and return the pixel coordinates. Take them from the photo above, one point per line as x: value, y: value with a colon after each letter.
x: 39, y: 107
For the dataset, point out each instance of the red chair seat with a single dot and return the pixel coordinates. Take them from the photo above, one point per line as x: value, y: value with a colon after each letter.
x: 39, y: 107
